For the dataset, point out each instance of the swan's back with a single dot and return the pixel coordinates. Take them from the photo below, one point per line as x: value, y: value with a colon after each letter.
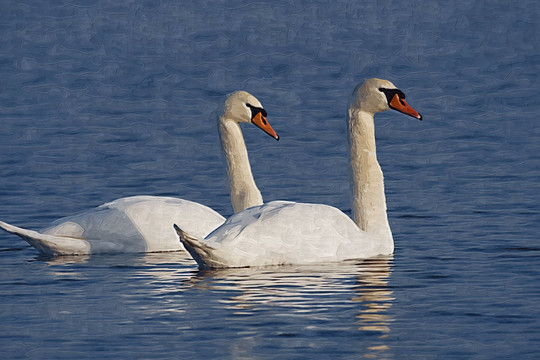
x: 290, y: 233
x: 137, y: 224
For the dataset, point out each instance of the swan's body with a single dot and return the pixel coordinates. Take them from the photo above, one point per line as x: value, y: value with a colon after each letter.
x: 144, y: 223
x: 295, y: 233
x: 274, y: 234
x: 132, y: 224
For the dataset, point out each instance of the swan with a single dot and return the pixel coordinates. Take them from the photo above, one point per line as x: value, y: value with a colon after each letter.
x: 282, y: 232
x: 144, y: 223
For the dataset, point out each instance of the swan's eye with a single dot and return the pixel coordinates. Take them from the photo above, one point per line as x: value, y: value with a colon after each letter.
x: 255, y: 110
x: 390, y: 93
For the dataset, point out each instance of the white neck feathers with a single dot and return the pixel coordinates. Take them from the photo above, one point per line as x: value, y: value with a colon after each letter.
x: 244, y: 192
x: 369, y: 202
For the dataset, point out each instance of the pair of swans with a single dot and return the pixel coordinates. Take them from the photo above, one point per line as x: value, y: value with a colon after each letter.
x: 281, y: 232
x: 278, y: 232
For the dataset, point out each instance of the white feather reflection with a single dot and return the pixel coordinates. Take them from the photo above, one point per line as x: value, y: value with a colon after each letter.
x: 345, y: 305
x: 317, y: 292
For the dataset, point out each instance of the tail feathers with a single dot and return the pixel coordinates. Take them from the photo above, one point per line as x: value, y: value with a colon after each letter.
x: 49, y: 244
x: 205, y: 255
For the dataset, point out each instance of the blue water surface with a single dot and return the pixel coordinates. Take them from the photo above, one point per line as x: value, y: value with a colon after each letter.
x: 105, y: 99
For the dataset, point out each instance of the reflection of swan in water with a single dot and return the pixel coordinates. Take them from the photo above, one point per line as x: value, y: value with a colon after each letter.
x: 314, y: 306
x: 162, y: 271
x: 138, y: 259
x: 334, y: 295
x: 376, y: 297
x: 373, y: 292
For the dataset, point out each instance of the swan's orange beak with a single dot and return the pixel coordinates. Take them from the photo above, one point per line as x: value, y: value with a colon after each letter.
x: 263, y: 124
x: 401, y: 105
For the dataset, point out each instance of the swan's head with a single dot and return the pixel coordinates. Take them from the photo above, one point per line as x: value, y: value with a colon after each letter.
x: 241, y: 106
x: 377, y: 95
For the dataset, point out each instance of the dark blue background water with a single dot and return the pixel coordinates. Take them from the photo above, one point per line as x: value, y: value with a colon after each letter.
x: 100, y: 100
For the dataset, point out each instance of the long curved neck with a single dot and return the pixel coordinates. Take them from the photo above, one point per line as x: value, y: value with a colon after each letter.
x: 369, y: 203
x: 244, y: 192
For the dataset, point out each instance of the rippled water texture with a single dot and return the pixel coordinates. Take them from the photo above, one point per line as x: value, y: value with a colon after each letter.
x: 100, y: 100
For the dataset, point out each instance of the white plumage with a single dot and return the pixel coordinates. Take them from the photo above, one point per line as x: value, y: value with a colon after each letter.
x: 296, y: 233
x: 283, y: 232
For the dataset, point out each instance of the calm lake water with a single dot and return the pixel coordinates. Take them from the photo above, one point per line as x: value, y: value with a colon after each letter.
x: 100, y: 100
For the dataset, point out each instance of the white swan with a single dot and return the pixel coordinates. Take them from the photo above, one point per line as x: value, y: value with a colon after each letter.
x: 295, y: 233
x: 144, y: 223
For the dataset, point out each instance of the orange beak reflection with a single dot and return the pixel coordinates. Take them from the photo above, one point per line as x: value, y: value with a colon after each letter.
x: 401, y: 105
x: 263, y: 124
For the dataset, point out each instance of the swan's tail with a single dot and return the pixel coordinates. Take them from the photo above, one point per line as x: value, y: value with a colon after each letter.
x: 205, y: 255
x: 49, y: 244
